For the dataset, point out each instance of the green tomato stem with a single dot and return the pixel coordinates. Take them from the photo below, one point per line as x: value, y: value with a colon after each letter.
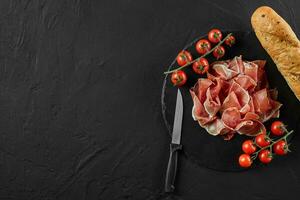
x: 271, y: 144
x: 197, y: 59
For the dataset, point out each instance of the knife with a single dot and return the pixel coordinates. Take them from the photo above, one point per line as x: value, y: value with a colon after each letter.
x: 175, y: 145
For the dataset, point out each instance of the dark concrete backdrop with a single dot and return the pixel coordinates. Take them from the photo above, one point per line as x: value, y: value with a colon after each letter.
x: 80, y: 85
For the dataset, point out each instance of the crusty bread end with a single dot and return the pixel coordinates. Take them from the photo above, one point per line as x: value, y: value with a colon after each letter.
x: 278, y: 39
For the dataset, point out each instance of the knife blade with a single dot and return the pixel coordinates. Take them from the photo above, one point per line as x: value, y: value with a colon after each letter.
x: 176, y: 134
x: 175, y: 145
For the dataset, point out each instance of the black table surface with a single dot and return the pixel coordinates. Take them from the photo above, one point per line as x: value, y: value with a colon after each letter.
x: 80, y: 112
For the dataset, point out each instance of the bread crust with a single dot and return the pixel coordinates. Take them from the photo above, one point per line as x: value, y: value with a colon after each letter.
x: 278, y: 39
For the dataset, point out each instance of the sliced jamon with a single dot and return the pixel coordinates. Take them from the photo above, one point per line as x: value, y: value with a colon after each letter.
x: 216, y: 87
x: 260, y: 63
x: 273, y: 112
x: 231, y: 117
x: 240, y: 64
x: 216, y: 127
x: 250, y: 127
x: 262, y: 81
x: 212, y: 106
x: 230, y: 102
x: 251, y: 105
x: 234, y: 98
x: 228, y: 135
x: 199, y: 113
x: 224, y: 72
x: 261, y: 101
x: 242, y: 95
x: 250, y: 116
x: 251, y: 69
x: 201, y: 87
x: 237, y: 65
x: 245, y: 82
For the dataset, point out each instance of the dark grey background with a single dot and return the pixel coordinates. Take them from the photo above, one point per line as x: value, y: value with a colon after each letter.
x: 80, y: 114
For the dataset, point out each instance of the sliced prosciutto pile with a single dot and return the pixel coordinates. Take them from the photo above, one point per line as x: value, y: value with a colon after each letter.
x: 235, y: 97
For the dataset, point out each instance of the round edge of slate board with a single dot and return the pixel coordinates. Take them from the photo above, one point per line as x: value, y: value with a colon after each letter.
x: 212, y: 151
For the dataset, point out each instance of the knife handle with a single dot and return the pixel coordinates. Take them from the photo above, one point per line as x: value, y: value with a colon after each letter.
x: 172, y: 167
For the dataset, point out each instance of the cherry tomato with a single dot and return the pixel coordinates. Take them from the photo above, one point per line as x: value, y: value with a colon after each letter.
x: 230, y: 41
x: 280, y: 147
x: 248, y: 147
x: 265, y: 156
x: 262, y: 140
x: 245, y: 160
x: 201, y: 66
x: 277, y: 128
x: 178, y: 78
x: 215, y: 36
x: 203, y: 46
x: 219, y: 52
x: 184, y: 57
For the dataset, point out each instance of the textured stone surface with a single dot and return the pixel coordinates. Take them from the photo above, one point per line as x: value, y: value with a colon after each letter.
x: 80, y: 84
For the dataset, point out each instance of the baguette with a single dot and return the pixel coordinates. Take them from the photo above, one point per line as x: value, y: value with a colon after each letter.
x: 281, y: 43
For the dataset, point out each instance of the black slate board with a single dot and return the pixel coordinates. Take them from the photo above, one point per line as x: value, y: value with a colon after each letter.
x: 213, y: 152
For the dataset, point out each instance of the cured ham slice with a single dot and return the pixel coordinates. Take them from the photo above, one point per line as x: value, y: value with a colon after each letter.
x: 231, y: 117
x: 217, y: 127
x: 261, y: 101
x: 234, y: 98
x: 199, y: 113
x: 201, y: 88
x: 245, y: 82
x: 212, y: 106
x: 224, y: 72
x: 250, y: 127
x: 251, y: 70
x: 230, y: 102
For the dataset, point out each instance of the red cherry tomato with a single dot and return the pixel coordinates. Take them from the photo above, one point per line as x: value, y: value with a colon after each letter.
x: 201, y: 66
x: 280, y: 147
x: 178, y: 78
x: 215, y: 36
x: 230, y: 41
x: 277, y: 128
x: 184, y: 57
x: 219, y: 52
x: 262, y: 140
x: 265, y: 156
x: 245, y: 160
x: 203, y: 46
x: 248, y: 147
